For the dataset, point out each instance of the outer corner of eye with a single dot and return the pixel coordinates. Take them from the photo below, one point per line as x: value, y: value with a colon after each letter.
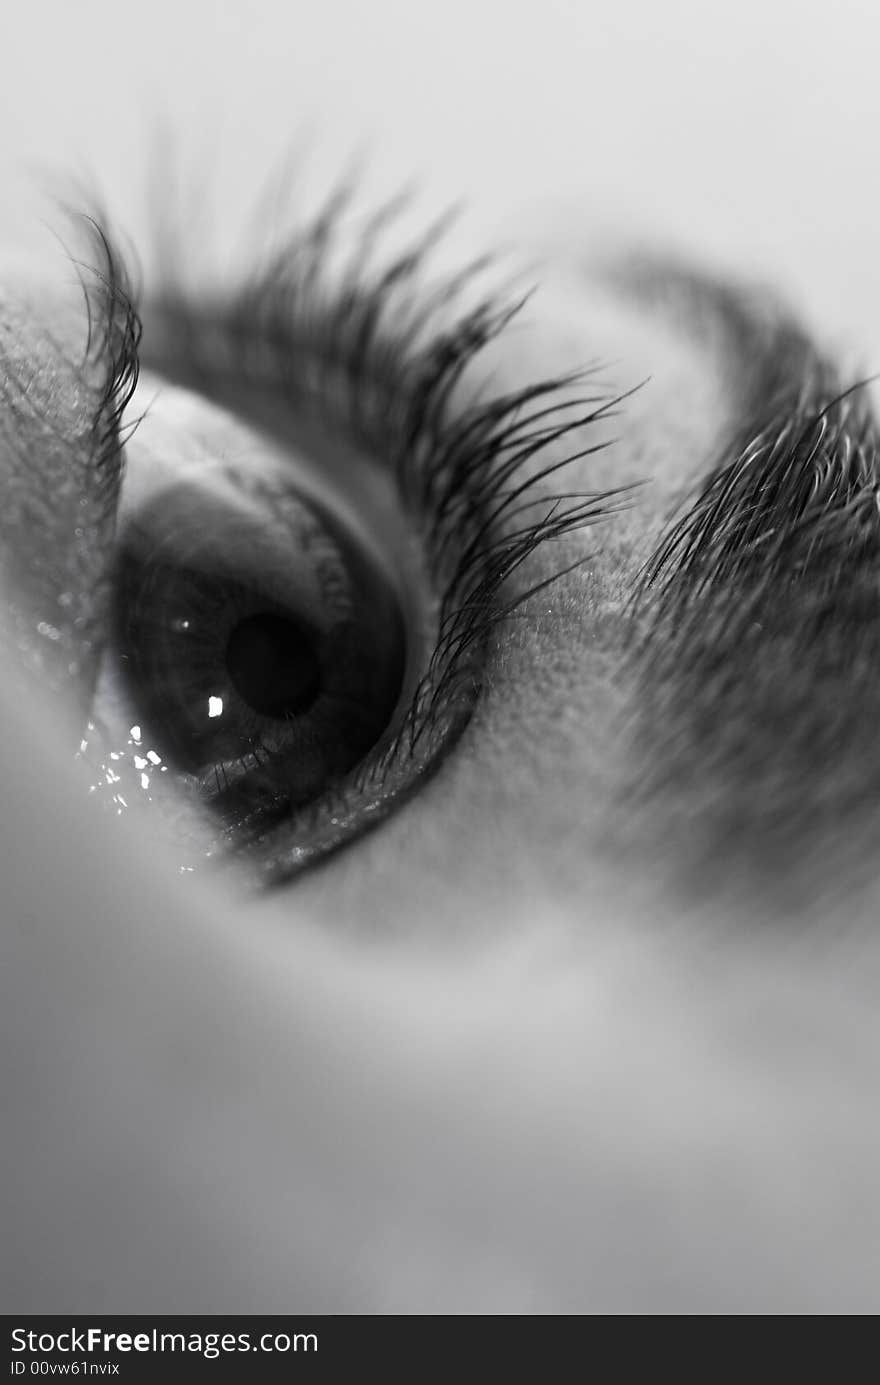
x: 271, y: 686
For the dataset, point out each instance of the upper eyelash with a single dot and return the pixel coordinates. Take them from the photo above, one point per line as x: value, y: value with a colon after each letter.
x: 374, y: 352
x: 333, y: 347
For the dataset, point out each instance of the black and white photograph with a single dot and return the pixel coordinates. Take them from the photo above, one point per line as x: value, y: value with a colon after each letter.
x: 439, y: 581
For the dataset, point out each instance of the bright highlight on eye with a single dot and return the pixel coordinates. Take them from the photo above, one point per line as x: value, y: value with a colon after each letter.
x: 261, y: 643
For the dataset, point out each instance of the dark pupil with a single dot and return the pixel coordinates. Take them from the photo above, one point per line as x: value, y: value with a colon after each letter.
x: 273, y: 665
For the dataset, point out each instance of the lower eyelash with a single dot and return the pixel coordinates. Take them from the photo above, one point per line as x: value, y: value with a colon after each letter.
x: 375, y: 354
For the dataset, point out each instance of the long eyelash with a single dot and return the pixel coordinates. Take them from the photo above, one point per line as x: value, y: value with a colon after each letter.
x: 112, y: 345
x: 379, y: 351
x: 368, y: 347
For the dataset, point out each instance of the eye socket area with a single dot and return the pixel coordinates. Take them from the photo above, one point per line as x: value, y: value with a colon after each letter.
x: 364, y: 384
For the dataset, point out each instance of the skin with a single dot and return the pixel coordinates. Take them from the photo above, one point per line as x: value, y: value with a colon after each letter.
x: 500, y: 1055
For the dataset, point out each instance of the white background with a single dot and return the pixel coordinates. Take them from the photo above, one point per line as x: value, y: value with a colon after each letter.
x: 745, y: 130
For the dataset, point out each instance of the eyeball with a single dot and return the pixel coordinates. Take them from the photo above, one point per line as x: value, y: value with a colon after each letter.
x: 257, y: 638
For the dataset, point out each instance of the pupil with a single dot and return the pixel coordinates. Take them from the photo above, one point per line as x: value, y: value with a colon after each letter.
x: 273, y: 665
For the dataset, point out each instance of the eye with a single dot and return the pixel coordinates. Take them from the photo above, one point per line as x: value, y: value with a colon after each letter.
x: 258, y: 637
x: 265, y: 636
x: 324, y: 532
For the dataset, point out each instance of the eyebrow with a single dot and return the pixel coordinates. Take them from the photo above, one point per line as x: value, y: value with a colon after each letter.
x: 61, y: 405
x: 757, y: 631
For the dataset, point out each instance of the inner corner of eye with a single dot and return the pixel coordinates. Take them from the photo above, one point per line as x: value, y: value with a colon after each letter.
x: 271, y: 637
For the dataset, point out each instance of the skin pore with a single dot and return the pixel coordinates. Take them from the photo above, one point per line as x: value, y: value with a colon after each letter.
x: 505, y: 1053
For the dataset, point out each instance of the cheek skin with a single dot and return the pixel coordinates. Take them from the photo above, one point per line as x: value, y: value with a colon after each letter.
x: 202, y: 1116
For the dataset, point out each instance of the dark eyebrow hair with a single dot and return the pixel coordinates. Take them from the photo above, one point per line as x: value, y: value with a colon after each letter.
x: 758, y: 613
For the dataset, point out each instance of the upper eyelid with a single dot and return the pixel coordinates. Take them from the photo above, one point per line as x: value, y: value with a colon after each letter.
x: 397, y: 380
